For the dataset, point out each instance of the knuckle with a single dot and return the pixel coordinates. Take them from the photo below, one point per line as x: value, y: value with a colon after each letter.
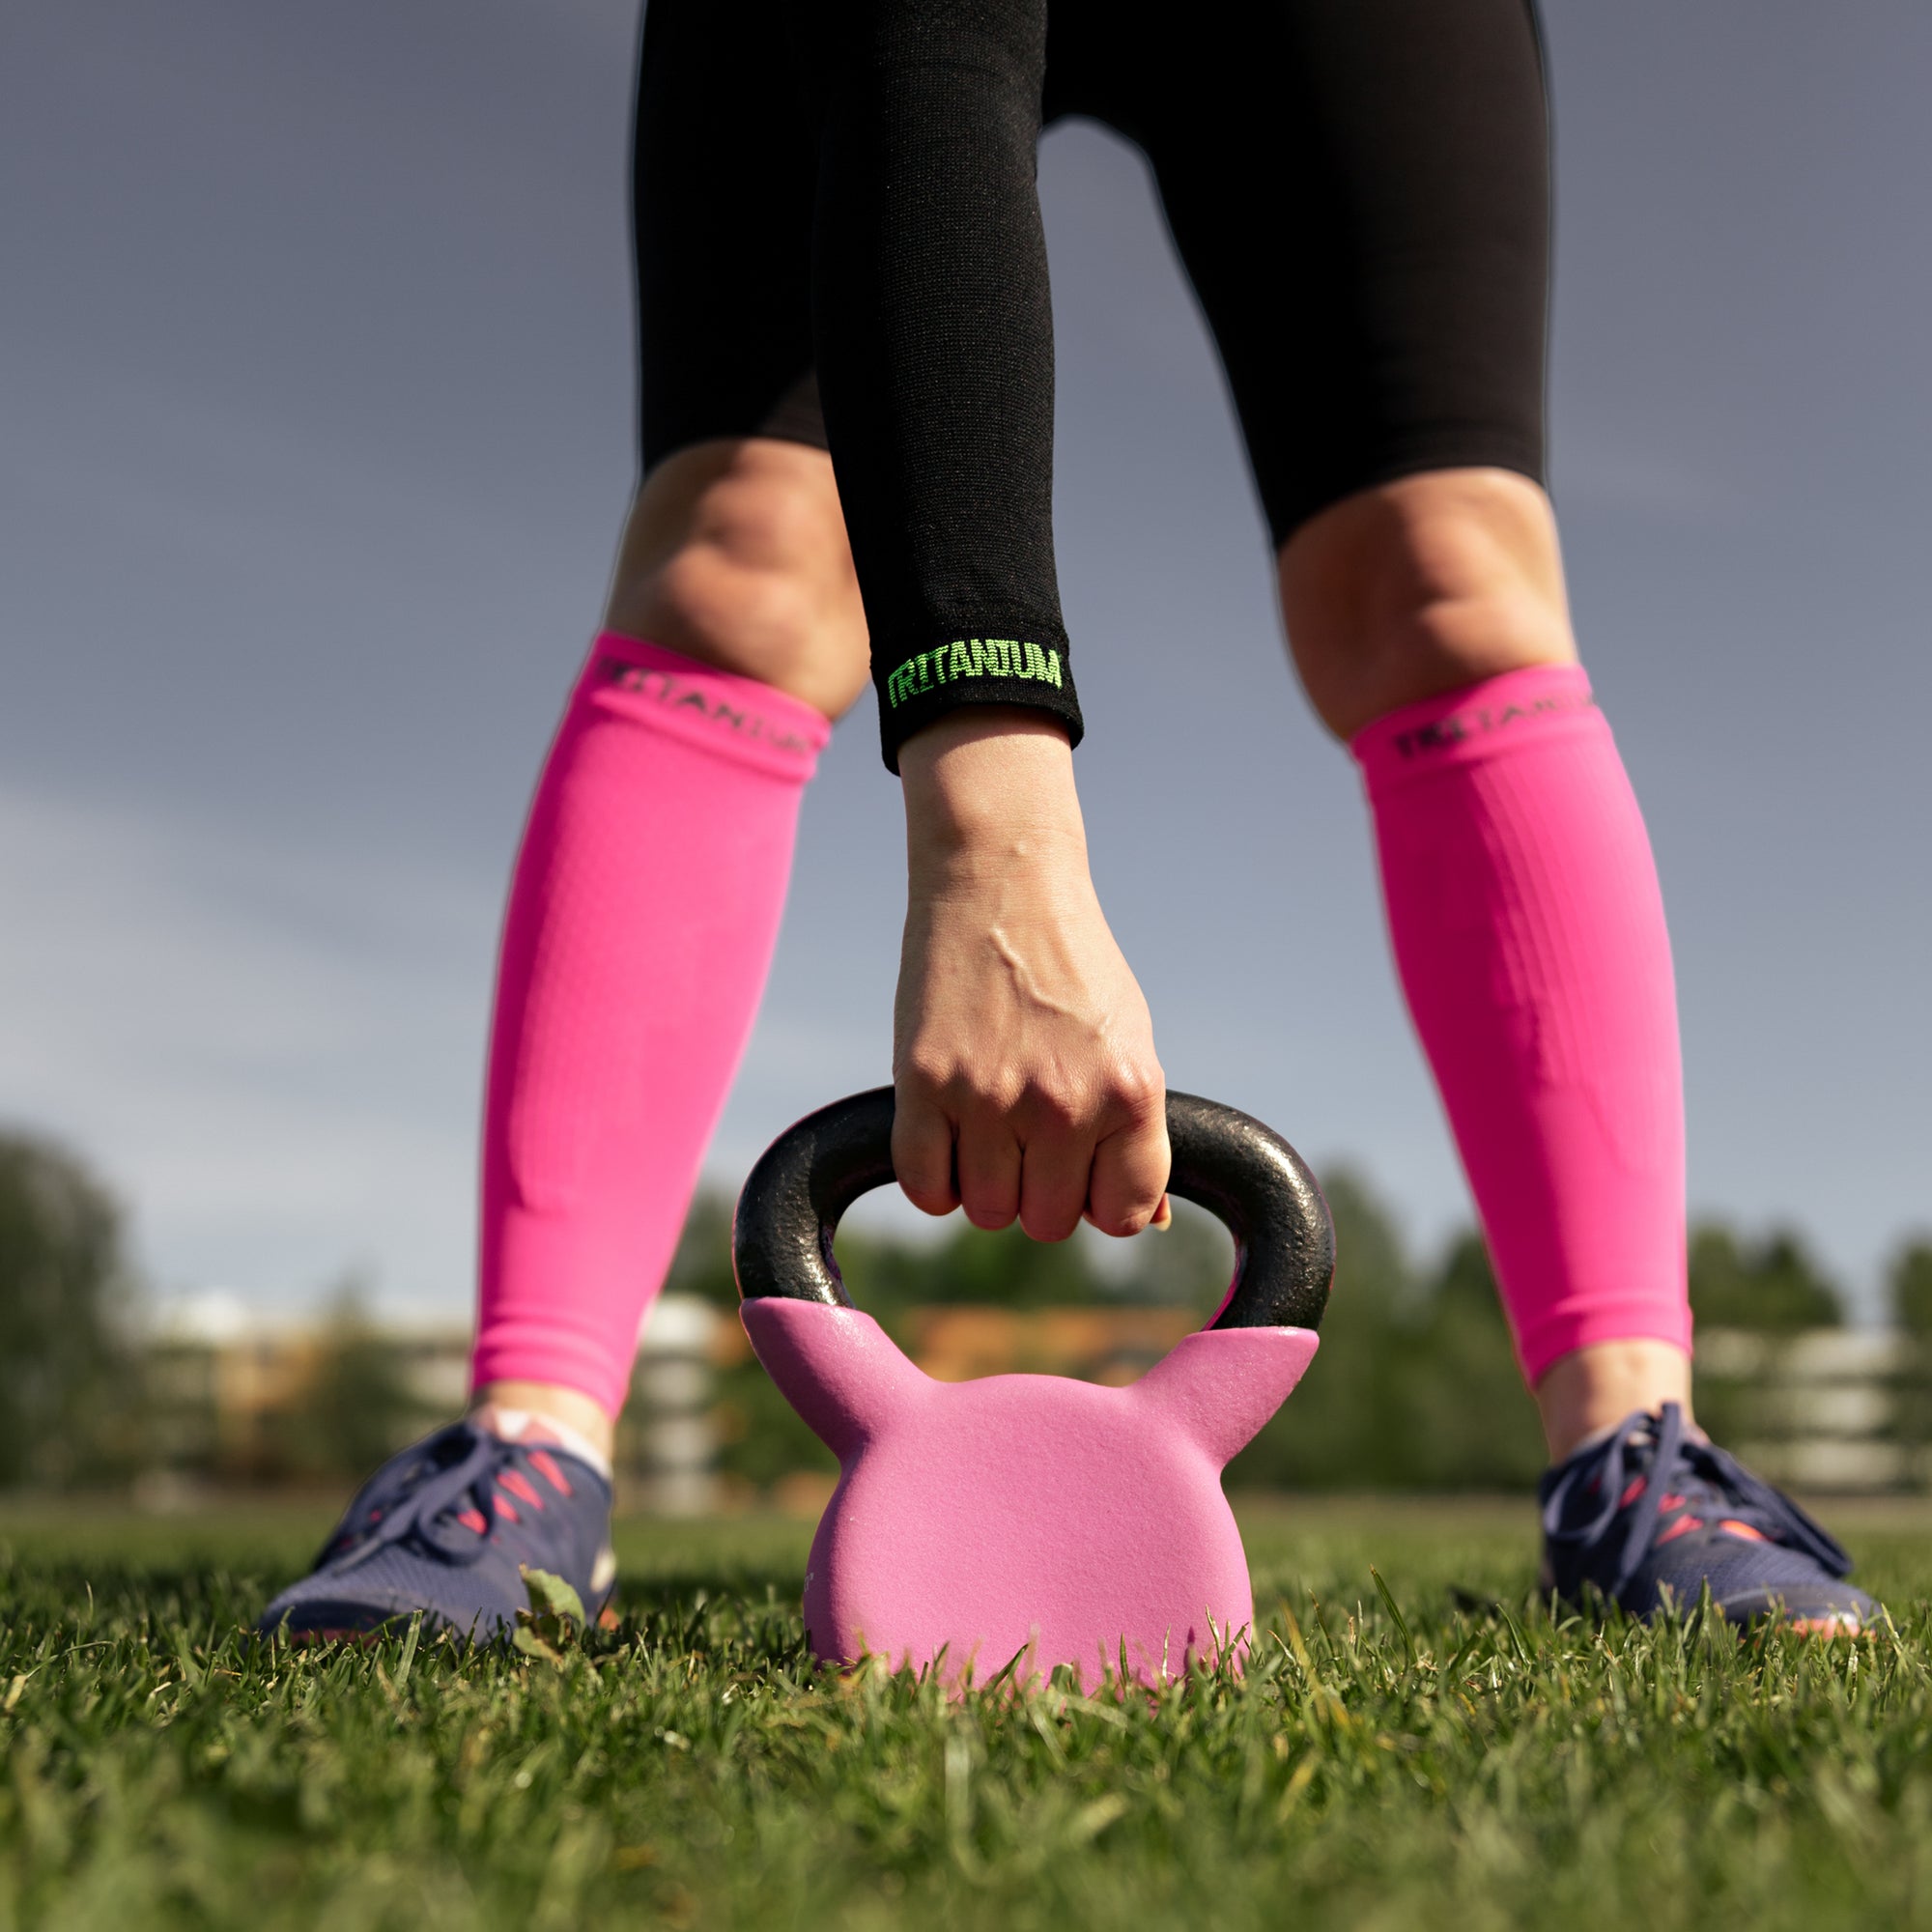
x: 924, y: 1072
x: 1000, y: 1093
x: 978, y: 1098
x: 1058, y: 1104
x: 960, y: 1088
x: 1128, y: 1182
x: 1139, y: 1087
x: 917, y: 1131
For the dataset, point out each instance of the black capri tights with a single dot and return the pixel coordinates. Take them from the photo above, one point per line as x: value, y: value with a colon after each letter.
x: 835, y: 212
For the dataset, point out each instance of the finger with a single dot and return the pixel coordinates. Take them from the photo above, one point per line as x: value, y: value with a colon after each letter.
x: 1163, y: 1217
x: 923, y: 1151
x: 988, y: 1162
x: 1054, y: 1165
x: 1129, y: 1179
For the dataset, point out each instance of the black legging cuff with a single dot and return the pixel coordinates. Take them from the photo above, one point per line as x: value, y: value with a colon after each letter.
x: 917, y: 688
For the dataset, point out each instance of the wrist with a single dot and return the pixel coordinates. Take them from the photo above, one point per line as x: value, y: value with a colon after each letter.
x: 991, y: 786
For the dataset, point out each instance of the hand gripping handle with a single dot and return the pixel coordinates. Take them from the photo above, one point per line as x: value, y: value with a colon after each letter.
x: 1242, y: 1173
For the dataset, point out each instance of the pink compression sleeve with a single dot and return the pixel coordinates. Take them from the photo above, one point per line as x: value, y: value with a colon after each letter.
x: 640, y: 926
x: 1529, y: 930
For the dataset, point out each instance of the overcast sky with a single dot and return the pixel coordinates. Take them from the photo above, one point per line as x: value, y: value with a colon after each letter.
x: 315, y: 359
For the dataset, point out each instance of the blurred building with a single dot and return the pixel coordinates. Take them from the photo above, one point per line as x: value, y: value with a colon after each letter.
x: 1115, y: 1345
x: 1826, y: 1408
x: 235, y: 1396
x: 238, y: 1397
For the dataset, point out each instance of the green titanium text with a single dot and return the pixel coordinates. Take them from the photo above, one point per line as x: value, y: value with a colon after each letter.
x: 974, y: 656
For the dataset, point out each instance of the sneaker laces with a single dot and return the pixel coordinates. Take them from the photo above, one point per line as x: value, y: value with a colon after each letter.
x: 457, y: 1474
x: 1695, y: 1474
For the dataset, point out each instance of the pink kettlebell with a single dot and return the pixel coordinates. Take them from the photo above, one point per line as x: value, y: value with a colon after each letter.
x: 1027, y: 1522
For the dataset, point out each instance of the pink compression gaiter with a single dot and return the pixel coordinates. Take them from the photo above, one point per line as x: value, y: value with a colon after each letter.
x: 640, y: 926
x: 1529, y: 930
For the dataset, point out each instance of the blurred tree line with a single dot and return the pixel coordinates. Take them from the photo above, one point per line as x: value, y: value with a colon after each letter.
x: 891, y: 1277
x: 1415, y: 1387
x: 81, y: 1397
x: 68, y: 1371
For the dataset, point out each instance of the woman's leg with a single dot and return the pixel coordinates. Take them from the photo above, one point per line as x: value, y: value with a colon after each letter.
x: 1363, y: 206
x: 640, y: 922
x: 1428, y: 620
x: 1373, y: 256
x: 646, y: 904
x: 646, y: 897
x: 648, y: 891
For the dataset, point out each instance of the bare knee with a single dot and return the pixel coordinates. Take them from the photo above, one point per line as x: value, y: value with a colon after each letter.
x: 735, y: 554
x: 1421, y: 586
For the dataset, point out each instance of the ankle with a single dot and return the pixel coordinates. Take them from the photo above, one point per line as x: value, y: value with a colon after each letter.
x: 1593, y: 1388
x: 568, y: 1410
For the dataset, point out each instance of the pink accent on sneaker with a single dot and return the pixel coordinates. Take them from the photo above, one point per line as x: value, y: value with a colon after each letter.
x: 1682, y: 1527
x: 473, y: 1519
x: 640, y: 925
x: 1633, y: 1490
x: 1528, y: 930
x: 505, y: 1508
x: 546, y: 1465
x: 1026, y: 1517
x: 521, y: 1487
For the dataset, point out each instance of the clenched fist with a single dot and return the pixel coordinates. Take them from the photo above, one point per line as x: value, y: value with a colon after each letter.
x: 1025, y: 1077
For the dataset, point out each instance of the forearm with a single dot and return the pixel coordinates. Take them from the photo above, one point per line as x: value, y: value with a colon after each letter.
x: 1023, y: 1053
x: 933, y: 334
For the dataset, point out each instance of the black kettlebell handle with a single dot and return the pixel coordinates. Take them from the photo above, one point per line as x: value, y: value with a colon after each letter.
x: 1242, y: 1173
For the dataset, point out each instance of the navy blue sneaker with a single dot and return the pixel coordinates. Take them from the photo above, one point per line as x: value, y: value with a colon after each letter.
x: 1650, y: 1515
x: 444, y: 1527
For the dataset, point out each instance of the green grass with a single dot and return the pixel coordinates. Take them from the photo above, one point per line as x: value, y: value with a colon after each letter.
x: 1470, y: 1764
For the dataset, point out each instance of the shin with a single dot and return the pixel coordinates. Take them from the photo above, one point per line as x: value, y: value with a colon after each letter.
x: 1525, y: 917
x: 644, y: 908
